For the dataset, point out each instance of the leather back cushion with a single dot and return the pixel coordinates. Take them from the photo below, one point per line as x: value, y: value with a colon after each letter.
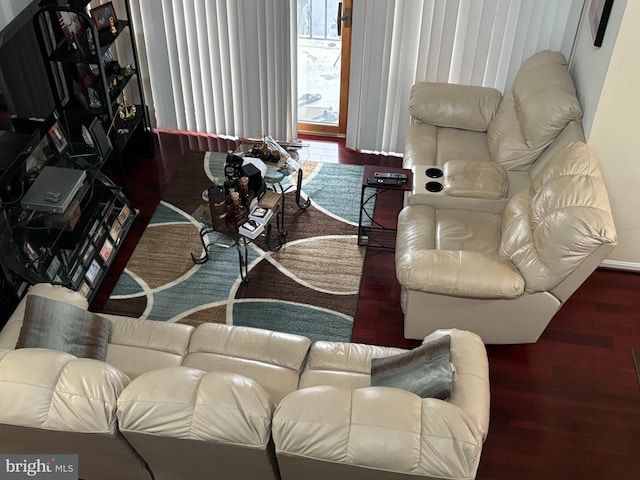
x: 545, y: 98
x: 273, y: 359
x: 452, y: 105
x: 543, y: 101
x: 137, y: 345
x: 565, y: 216
x: 505, y: 141
x: 54, y: 390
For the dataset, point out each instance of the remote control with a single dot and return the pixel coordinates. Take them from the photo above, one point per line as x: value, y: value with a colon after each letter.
x: 385, y: 181
x: 390, y: 175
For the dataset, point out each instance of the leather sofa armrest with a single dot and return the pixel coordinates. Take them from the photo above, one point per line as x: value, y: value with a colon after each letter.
x: 11, y: 331
x: 456, y: 106
x: 54, y: 390
x: 381, y: 428
x: 471, y: 179
x: 459, y: 273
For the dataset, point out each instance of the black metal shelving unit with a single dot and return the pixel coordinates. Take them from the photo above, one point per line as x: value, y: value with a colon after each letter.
x: 73, y: 251
x: 86, y: 76
x: 76, y: 248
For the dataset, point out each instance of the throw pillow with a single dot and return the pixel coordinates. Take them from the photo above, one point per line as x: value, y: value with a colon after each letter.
x: 59, y: 326
x: 425, y: 370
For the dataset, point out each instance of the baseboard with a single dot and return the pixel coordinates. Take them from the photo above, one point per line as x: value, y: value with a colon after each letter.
x: 615, y: 264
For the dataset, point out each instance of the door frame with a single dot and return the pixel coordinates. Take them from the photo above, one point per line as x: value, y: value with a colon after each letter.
x: 340, y: 130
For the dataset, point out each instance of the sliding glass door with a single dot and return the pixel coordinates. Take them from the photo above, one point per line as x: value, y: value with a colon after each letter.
x: 324, y: 33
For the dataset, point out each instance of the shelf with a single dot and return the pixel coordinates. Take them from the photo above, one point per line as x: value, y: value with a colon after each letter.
x: 106, y: 38
x: 81, y: 51
x: 121, y: 84
x: 73, y: 252
x: 122, y: 139
x: 78, y: 56
x: 76, y: 250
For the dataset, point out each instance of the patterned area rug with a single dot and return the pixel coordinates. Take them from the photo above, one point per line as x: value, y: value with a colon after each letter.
x: 309, y: 287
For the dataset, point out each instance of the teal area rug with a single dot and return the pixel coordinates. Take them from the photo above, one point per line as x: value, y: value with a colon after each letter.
x: 309, y: 287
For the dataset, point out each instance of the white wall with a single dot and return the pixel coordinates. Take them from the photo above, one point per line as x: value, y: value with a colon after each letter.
x: 612, y: 119
x: 589, y: 64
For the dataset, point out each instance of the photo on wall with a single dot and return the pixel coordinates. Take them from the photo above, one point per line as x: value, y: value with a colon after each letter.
x: 599, y: 12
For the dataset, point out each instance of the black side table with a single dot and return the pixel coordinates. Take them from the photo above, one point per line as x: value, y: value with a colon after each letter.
x: 377, y: 235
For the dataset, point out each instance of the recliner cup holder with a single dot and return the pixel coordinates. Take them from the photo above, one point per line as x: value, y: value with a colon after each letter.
x: 433, y: 172
x: 434, y: 186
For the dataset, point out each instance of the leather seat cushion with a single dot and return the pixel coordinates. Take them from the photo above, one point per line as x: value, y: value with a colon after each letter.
x: 187, y: 403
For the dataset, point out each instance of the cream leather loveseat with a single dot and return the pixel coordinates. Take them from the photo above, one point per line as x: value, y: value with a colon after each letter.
x: 172, y: 402
x: 522, y: 217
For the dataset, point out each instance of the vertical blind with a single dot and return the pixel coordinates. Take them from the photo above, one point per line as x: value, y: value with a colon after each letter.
x: 219, y: 66
x: 473, y: 42
x: 229, y: 66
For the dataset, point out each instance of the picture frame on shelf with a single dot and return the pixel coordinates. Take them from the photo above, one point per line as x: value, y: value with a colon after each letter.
x: 71, y: 27
x: 124, y: 214
x: 94, y: 227
x: 77, y: 276
x: 31, y: 254
x: 99, y: 236
x: 85, y: 74
x: 116, y: 230
x: 106, y: 250
x: 85, y: 289
x: 58, y: 138
x: 53, y: 268
x: 88, y: 255
x: 93, y: 272
x: 104, y: 16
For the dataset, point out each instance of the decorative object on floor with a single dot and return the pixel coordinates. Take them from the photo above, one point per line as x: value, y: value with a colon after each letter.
x: 309, y: 287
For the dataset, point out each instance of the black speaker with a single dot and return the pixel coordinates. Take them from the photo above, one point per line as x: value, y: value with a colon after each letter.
x: 255, y: 177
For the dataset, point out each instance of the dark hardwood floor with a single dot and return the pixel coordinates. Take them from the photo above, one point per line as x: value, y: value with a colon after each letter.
x: 566, y: 407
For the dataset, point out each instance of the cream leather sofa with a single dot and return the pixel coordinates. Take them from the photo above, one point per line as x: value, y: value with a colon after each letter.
x: 486, y: 146
x: 505, y: 275
x: 172, y: 401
